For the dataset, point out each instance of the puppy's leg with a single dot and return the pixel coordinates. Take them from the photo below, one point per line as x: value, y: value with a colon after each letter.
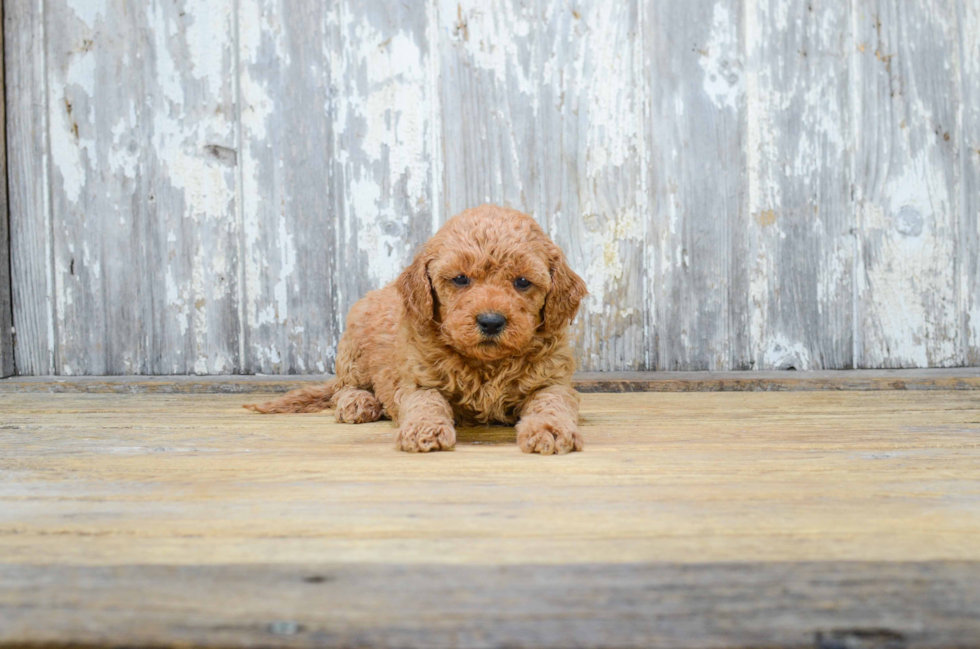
x: 356, y: 406
x: 549, y: 422
x: 426, y: 423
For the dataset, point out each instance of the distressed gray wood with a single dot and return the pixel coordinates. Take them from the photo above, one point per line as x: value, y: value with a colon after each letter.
x: 385, y: 179
x: 969, y: 236
x: 802, y: 248
x: 142, y: 190
x: 543, y: 111
x: 826, y: 605
x: 207, y: 187
x: 697, y: 305
x: 288, y: 211
x: 191, y: 233
x: 95, y: 113
x: 906, y: 95
x: 27, y: 175
x: 6, y: 309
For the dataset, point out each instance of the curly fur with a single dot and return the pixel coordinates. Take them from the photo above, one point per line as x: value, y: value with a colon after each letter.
x: 413, y: 352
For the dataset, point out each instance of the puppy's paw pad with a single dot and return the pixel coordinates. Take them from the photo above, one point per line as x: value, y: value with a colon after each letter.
x: 359, y: 408
x: 547, y: 436
x: 425, y: 436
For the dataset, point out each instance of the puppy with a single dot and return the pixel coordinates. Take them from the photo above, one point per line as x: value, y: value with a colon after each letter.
x: 473, y: 332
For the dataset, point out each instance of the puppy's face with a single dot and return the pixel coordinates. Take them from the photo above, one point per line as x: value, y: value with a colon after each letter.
x: 489, y: 282
x: 489, y: 308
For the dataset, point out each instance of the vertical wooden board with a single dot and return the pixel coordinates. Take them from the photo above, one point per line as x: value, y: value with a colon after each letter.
x: 969, y: 25
x: 94, y: 89
x: 27, y: 174
x: 906, y: 97
x: 286, y: 53
x: 6, y: 314
x: 489, y: 78
x: 191, y: 231
x: 542, y: 111
x: 801, y: 243
x: 592, y: 160
x: 385, y: 138
x: 699, y: 308
x: 142, y: 187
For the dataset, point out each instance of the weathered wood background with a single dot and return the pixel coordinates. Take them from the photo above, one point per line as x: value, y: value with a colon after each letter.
x: 207, y: 186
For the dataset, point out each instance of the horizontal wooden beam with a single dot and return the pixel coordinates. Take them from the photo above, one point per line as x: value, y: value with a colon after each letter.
x: 928, y: 379
x: 822, y: 604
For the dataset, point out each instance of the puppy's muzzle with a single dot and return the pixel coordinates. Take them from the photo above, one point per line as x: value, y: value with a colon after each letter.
x: 491, y: 323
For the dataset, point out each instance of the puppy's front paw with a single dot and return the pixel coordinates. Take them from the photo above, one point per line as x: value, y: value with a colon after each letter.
x: 546, y: 435
x: 357, y: 407
x: 425, y: 436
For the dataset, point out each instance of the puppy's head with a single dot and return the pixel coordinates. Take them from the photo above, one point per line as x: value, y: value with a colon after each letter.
x: 489, y: 282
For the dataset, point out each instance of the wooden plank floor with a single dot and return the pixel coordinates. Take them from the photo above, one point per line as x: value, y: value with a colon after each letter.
x: 692, y: 519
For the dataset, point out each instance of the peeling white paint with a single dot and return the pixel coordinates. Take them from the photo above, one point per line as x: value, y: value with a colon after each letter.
x: 88, y: 11
x: 207, y: 34
x: 783, y: 354
x: 287, y: 261
x: 613, y: 136
x: 606, y: 269
x: 586, y: 154
x: 386, y: 107
x: 69, y: 155
x: 381, y: 248
x: 912, y: 291
x: 492, y: 37
x: 721, y: 60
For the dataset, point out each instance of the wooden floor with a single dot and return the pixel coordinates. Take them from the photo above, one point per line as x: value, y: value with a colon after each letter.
x: 691, y: 519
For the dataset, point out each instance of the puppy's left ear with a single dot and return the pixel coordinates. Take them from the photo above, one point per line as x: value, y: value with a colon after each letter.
x: 567, y: 291
x: 415, y: 289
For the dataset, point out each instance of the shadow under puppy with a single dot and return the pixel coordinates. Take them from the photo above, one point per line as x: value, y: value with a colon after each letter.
x: 473, y: 332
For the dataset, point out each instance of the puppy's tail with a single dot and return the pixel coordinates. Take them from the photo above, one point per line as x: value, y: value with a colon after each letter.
x: 312, y: 399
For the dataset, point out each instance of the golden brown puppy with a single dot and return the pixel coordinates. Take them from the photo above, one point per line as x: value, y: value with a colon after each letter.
x: 473, y: 332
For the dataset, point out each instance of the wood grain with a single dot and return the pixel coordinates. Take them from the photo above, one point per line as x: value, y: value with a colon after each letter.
x: 95, y: 111
x: 207, y: 187
x: 289, y: 223
x: 969, y: 235
x: 191, y: 231
x: 697, y: 306
x: 761, y: 381
x: 542, y: 111
x: 824, y: 605
x: 691, y: 478
x: 703, y: 520
x: 142, y: 193
x: 386, y: 143
x: 31, y: 269
x: 907, y: 91
x: 801, y: 248
x: 6, y: 306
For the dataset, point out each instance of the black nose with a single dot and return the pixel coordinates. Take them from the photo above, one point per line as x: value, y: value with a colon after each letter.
x: 491, y: 323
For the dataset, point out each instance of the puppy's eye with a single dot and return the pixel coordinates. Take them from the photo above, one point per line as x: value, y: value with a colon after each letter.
x: 461, y: 280
x: 522, y: 284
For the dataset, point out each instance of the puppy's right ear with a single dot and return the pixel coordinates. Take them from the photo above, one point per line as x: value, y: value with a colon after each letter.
x: 415, y: 288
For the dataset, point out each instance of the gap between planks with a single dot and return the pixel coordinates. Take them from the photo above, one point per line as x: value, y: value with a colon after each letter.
x: 763, y: 381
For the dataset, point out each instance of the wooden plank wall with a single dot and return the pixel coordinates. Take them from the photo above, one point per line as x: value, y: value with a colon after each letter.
x: 6, y: 312
x: 207, y: 186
